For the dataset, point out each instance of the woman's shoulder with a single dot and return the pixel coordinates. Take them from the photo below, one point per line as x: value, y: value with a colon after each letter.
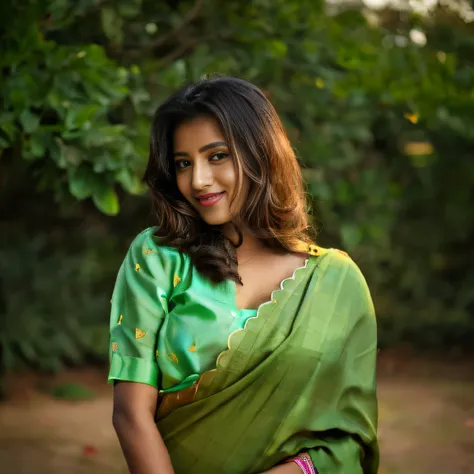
x: 341, y: 285
x: 148, y: 243
x: 148, y: 254
x: 338, y: 263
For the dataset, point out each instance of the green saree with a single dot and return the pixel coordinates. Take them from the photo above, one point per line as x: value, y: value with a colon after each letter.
x: 299, y: 377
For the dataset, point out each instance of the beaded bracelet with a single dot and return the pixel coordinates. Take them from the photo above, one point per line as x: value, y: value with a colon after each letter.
x: 304, y: 463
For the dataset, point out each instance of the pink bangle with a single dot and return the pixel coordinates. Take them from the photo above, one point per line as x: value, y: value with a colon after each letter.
x: 301, y: 464
x: 304, y: 463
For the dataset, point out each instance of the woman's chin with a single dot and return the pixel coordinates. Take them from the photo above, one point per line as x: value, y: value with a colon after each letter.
x: 215, y: 219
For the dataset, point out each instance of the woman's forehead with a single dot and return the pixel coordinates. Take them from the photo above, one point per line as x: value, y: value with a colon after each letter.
x: 197, y: 133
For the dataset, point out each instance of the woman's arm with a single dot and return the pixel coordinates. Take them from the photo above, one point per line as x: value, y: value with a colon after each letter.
x: 133, y: 420
x: 135, y: 320
x: 345, y: 430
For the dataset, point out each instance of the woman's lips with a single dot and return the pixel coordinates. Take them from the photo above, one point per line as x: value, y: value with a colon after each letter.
x: 211, y: 200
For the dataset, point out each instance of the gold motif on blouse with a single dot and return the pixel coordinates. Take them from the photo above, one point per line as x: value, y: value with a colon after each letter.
x: 148, y: 252
x: 137, y: 267
x: 174, y: 357
x: 192, y: 348
x: 156, y: 354
x: 313, y: 250
x: 139, y: 333
x: 176, y: 280
x: 114, y: 347
x: 120, y: 319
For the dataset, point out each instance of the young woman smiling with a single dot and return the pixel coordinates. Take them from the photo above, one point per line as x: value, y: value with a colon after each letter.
x: 237, y: 345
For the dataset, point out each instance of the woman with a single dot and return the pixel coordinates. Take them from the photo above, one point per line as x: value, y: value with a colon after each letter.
x: 237, y: 345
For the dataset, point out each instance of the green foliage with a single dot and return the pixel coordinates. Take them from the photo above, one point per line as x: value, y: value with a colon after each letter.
x: 63, y: 105
x: 383, y: 127
x: 55, y: 292
x: 71, y: 391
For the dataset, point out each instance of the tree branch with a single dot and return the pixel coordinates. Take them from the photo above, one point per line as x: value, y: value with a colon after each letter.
x: 192, y: 14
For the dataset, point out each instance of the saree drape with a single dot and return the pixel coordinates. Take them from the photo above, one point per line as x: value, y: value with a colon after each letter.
x: 299, y: 377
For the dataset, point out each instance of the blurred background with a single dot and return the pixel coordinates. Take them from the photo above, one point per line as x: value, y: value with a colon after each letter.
x: 378, y: 100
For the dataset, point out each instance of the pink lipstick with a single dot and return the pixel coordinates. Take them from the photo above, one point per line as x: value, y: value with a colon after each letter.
x: 209, y: 199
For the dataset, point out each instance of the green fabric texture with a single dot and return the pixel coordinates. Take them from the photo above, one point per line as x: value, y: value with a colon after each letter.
x: 169, y: 353
x: 300, y: 376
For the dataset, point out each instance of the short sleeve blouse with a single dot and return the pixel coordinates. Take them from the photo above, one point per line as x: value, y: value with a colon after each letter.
x: 168, y: 323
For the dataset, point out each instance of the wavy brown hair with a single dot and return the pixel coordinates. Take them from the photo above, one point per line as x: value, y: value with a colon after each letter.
x: 275, y: 210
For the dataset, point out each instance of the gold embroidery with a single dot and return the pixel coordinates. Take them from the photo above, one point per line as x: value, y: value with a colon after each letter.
x: 139, y: 333
x: 156, y: 354
x: 148, y: 252
x: 176, y: 280
x: 137, y: 267
x: 313, y: 250
x: 120, y: 319
x: 192, y: 348
x: 174, y: 357
x: 114, y: 347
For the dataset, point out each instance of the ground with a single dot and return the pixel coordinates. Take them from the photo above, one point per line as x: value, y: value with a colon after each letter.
x: 426, y: 422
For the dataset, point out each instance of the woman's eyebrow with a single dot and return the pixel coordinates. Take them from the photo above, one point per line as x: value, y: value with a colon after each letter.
x: 212, y: 145
x: 209, y: 146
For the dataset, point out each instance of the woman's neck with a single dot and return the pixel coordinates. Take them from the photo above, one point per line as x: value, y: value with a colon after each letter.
x: 250, y: 246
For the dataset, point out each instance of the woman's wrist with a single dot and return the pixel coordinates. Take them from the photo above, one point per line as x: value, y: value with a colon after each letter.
x: 304, y: 463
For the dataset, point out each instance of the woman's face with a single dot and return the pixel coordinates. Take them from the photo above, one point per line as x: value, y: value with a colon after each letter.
x: 205, y: 171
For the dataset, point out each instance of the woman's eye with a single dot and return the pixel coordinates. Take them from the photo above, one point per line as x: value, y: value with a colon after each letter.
x: 219, y: 156
x: 181, y: 164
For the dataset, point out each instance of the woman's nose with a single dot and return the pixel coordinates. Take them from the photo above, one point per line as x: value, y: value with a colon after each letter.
x: 202, y: 176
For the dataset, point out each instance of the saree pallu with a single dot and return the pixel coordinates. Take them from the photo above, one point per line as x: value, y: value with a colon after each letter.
x: 299, y: 377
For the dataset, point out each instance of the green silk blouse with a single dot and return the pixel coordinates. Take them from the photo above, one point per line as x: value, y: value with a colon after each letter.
x: 168, y: 323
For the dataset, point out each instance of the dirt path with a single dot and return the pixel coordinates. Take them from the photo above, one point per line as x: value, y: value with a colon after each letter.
x: 426, y: 425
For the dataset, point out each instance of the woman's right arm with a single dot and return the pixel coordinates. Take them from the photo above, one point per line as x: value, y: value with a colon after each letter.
x: 133, y: 420
x: 144, y: 284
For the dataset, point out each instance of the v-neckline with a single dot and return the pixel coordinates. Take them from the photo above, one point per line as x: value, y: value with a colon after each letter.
x: 247, y: 310
x: 285, y: 286
x: 233, y: 286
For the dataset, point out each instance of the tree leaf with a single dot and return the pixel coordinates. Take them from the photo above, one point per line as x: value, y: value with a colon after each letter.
x: 106, y: 200
x: 29, y: 121
x: 81, y: 182
x: 129, y: 181
x: 81, y: 116
x: 112, y: 24
x: 38, y: 143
